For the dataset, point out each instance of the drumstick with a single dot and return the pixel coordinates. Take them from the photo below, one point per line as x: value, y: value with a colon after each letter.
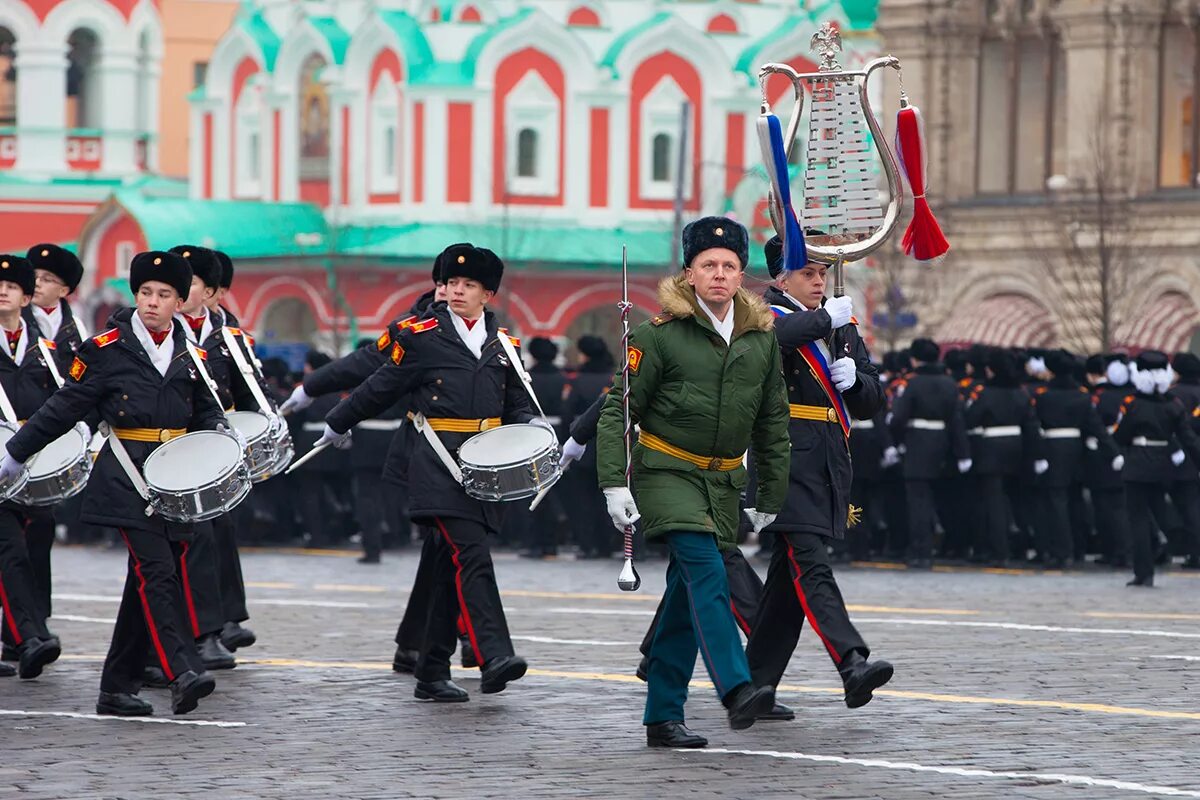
x: 306, y: 457
x: 539, y: 498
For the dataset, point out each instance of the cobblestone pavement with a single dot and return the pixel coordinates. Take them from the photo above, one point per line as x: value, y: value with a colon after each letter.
x: 1007, y: 686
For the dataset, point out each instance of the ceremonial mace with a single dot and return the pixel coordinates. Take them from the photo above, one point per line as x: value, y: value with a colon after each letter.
x: 629, y: 580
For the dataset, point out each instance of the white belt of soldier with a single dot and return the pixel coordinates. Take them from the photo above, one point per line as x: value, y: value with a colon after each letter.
x: 1061, y: 433
x: 996, y: 431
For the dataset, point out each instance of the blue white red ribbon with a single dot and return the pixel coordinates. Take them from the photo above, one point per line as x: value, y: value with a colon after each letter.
x: 819, y: 366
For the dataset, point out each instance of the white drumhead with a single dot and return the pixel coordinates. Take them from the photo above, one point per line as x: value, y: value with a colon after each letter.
x: 191, y: 461
x: 507, y: 444
x: 251, y: 423
x: 62, y: 452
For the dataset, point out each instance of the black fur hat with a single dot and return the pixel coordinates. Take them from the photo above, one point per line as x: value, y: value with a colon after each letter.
x: 1151, y: 359
x: 1060, y: 362
x: 18, y: 270
x: 465, y: 260
x: 155, y: 265
x: 226, y: 269
x: 1007, y: 367
x: 925, y: 350
x: 62, y: 263
x: 542, y: 349
x: 204, y: 262
x: 592, y: 346
x: 708, y: 232
x: 1187, y: 365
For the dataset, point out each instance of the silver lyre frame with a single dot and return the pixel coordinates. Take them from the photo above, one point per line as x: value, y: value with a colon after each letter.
x: 838, y: 254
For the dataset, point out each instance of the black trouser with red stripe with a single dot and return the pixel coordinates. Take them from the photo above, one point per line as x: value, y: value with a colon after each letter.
x: 411, y: 632
x: 800, y: 585
x: 464, y: 579
x: 23, y: 616
x: 150, y: 617
x: 200, y: 579
x: 39, y: 538
x: 745, y: 596
x: 229, y: 566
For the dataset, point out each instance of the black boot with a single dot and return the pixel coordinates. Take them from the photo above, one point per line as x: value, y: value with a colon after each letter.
x: 673, y: 734
x: 469, y: 660
x: 862, y: 677
x: 405, y: 661
x: 441, y: 692
x: 233, y: 636
x: 10, y: 653
x: 370, y: 558
x: 745, y: 703
x: 778, y: 713
x: 1146, y: 582
x: 154, y: 678
x: 36, y: 654
x: 114, y: 704
x: 499, y: 671
x: 7, y: 670
x: 643, y: 669
x: 189, y: 689
x: 213, y: 654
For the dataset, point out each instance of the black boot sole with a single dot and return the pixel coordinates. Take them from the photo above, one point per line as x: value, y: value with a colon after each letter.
x: 421, y: 694
x: 498, y: 683
x: 864, y: 694
x: 192, y: 697
x: 220, y: 664
x: 241, y: 640
x: 114, y: 711
x: 690, y: 744
x: 46, y: 655
x: 746, y: 717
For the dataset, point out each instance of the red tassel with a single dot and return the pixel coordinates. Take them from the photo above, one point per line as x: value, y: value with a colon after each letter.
x: 923, y: 240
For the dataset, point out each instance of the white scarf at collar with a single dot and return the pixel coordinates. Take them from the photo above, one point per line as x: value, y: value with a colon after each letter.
x: 725, y: 327
x: 160, y: 355
x: 474, y: 338
x: 22, y: 344
x: 49, y: 323
x: 205, y: 330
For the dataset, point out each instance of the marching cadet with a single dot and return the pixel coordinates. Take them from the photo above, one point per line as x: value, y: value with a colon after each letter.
x: 550, y: 386
x: 927, y: 418
x: 1005, y: 441
x: 593, y: 378
x: 1185, y: 482
x: 1109, y: 379
x: 1068, y: 420
x: 57, y: 274
x: 141, y: 379
x: 1149, y: 425
x: 458, y: 380
x: 827, y: 387
x: 898, y: 368
x: 26, y: 384
x: 705, y: 383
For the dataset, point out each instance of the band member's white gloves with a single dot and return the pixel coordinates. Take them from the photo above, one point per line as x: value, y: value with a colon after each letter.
x: 840, y: 310
x: 891, y: 457
x: 9, y: 468
x: 758, y: 519
x: 84, y: 431
x: 571, y: 451
x: 964, y: 465
x: 542, y: 422
x: 297, y: 402
x: 1040, y: 466
x: 1118, y: 463
x: 844, y: 372
x: 621, y: 508
x: 340, y: 441
x: 1178, y: 457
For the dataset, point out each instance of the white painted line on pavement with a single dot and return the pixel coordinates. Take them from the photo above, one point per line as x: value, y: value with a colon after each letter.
x: 1020, y: 626
x: 962, y: 772
x: 548, y: 640
x: 256, y: 601
x: 89, y: 598
x: 195, y: 723
x: 1176, y: 658
x: 603, y: 612
x: 76, y: 618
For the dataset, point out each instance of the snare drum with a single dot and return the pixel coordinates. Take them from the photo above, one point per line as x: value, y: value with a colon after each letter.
x: 196, y: 477
x: 7, y: 491
x: 511, y: 462
x: 60, y: 470
x: 285, y: 451
x: 261, y: 442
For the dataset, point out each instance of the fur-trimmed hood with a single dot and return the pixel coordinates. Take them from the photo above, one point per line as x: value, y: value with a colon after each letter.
x: 750, y: 312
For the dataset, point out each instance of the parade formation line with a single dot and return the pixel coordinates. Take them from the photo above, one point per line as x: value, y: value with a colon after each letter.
x: 963, y: 772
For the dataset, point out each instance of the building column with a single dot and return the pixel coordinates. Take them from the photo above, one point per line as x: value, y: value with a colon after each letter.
x: 118, y: 76
x: 41, y: 107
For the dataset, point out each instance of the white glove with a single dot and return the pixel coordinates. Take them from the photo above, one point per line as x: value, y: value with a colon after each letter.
x: 1178, y: 457
x: 297, y: 402
x: 1091, y: 443
x: 964, y: 465
x: 542, y: 422
x: 10, y: 468
x: 840, y: 310
x: 891, y: 457
x: 621, y: 508
x: 340, y: 441
x: 1040, y: 466
x: 1118, y: 463
x: 759, y: 519
x: 571, y: 451
x: 844, y: 372
x: 84, y: 431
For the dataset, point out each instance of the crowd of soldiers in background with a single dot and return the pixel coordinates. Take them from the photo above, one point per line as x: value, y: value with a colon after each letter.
x: 341, y: 498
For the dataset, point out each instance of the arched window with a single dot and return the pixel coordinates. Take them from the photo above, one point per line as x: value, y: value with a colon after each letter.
x: 660, y: 166
x: 1178, y: 133
x: 8, y: 78
x: 527, y: 153
x: 384, y: 175
x: 83, y: 87
x: 247, y: 166
x: 314, y: 121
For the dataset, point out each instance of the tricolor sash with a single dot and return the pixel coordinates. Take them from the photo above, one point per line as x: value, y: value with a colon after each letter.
x: 818, y: 365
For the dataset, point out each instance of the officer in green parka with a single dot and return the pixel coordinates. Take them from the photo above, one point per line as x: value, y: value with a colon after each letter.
x: 706, y: 384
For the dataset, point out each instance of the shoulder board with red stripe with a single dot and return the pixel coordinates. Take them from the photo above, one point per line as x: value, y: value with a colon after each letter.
x: 407, y: 322
x: 661, y: 318
x: 234, y: 331
x: 423, y: 325
x: 50, y: 344
x: 515, y: 341
x: 200, y: 351
x: 107, y: 338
